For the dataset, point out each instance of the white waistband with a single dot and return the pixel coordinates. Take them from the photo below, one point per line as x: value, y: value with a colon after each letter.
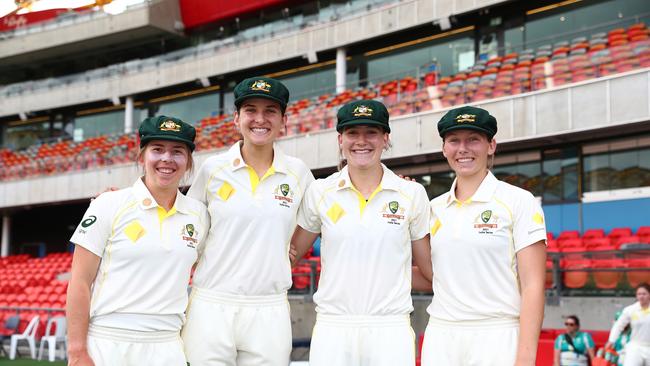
x: 484, y: 323
x: 242, y: 300
x: 363, y: 320
x: 132, y: 336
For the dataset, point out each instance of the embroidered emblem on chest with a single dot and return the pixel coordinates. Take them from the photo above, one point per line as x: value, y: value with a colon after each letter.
x: 189, y: 234
x: 486, y: 222
x: 284, y: 195
x: 393, y: 213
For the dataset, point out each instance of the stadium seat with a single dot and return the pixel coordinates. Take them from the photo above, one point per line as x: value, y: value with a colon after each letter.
x: 575, y: 279
x: 640, y: 276
x: 620, y: 231
x: 593, y: 233
x: 55, y: 333
x: 622, y: 240
x: 29, y: 335
x: 607, y: 279
x: 570, y: 243
x: 10, y: 328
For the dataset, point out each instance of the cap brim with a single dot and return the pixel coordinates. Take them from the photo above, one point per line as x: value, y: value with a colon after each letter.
x: 147, y: 139
x: 362, y: 122
x: 466, y: 127
x: 240, y: 100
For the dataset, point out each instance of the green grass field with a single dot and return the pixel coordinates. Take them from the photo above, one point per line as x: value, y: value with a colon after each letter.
x: 28, y: 362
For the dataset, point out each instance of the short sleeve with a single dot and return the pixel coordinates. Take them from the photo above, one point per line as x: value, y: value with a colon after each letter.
x: 94, y: 230
x: 558, y: 343
x: 308, y: 216
x: 589, y: 341
x: 421, y: 216
x: 529, y: 225
x: 199, y: 185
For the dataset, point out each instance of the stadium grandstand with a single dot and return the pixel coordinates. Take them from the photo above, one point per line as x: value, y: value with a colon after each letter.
x: 568, y: 81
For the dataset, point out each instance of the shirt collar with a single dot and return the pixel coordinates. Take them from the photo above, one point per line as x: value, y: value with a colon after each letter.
x: 389, y: 180
x: 237, y: 161
x: 484, y: 192
x: 146, y: 200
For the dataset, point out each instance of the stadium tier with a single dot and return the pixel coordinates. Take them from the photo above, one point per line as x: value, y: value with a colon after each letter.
x: 617, y: 51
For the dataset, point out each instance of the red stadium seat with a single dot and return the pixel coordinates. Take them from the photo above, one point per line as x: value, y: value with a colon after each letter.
x: 593, y: 233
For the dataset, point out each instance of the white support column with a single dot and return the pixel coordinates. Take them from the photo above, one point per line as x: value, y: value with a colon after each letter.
x: 341, y: 69
x: 4, y: 243
x: 128, y: 115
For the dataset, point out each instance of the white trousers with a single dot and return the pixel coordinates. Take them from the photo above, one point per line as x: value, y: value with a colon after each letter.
x: 111, y: 347
x: 230, y: 330
x: 362, y: 341
x: 470, y: 343
x: 637, y: 354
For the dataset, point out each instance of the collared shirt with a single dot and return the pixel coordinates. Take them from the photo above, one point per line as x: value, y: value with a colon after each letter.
x: 365, y: 245
x: 639, y: 320
x: 473, y: 249
x: 146, y: 253
x: 253, y: 220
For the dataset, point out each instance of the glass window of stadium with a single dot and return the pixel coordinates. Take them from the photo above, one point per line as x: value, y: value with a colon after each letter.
x: 523, y: 170
x: 436, y: 183
x: 191, y: 109
x: 560, y: 174
x: 449, y: 53
x: 21, y: 136
x: 99, y: 124
x: 316, y: 82
x: 580, y: 19
x: 617, y: 165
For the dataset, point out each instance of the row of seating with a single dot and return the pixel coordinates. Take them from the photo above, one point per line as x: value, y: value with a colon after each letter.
x: 605, y: 273
x: 548, y: 66
x: 32, y: 282
x: 596, y: 239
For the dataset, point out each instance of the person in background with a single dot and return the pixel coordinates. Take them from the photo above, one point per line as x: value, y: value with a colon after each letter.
x: 637, y: 316
x: 573, y: 348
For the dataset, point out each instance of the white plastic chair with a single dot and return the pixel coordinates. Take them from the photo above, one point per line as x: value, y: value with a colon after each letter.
x: 54, y: 339
x: 29, y: 335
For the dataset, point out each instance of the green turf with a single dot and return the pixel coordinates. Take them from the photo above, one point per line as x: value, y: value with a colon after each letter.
x: 28, y: 362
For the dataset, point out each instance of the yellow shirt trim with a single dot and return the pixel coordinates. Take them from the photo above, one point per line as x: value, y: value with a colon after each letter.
x: 163, y: 214
x: 363, y: 202
x: 254, y: 178
x: 435, y: 227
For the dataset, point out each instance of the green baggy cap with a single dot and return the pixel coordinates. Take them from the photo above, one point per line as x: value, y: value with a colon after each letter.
x: 468, y: 118
x: 364, y: 112
x: 166, y: 128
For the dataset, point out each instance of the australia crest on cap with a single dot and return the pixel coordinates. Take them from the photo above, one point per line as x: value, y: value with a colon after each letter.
x: 362, y: 111
x: 261, y: 85
x: 463, y: 118
x: 170, y: 125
